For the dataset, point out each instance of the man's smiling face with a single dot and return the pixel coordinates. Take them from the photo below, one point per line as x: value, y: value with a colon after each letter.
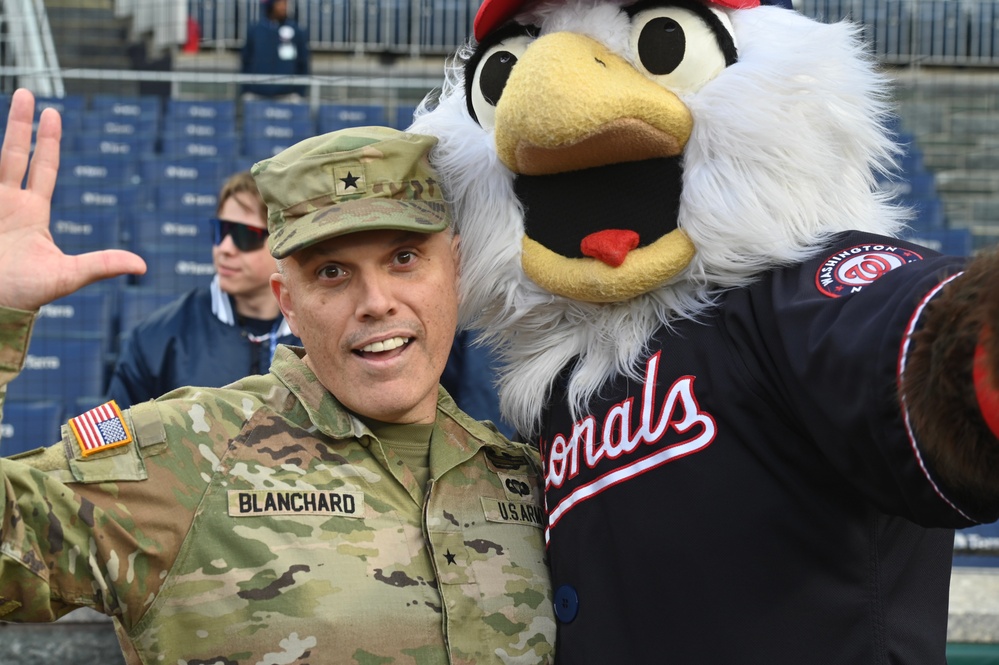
x: 376, y: 312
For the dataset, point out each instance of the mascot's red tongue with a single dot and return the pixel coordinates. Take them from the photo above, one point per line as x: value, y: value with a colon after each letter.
x: 610, y: 246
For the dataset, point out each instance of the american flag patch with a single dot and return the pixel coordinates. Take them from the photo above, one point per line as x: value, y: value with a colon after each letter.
x: 100, y: 428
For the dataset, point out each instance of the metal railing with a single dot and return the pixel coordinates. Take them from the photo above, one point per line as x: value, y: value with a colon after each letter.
x: 924, y: 32
x: 403, y: 27
x: 29, y: 42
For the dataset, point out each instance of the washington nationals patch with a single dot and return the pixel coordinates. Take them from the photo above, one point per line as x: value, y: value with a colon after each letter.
x: 850, y: 270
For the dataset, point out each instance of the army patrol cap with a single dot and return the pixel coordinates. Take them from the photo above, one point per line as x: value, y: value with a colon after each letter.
x: 356, y: 179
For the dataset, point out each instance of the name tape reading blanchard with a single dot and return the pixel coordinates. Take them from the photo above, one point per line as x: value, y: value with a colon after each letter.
x: 252, y: 503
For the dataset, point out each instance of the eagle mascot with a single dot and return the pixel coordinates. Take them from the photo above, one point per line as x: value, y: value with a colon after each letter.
x: 761, y: 412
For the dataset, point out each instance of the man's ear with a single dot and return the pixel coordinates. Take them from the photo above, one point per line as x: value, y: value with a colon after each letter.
x: 283, y: 296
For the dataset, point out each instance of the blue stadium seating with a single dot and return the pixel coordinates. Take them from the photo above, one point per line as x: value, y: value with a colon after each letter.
x: 276, y: 112
x: 977, y: 546
x: 263, y: 142
x: 65, y: 368
x: 85, y: 313
x: 202, y: 111
x: 331, y: 117
x: 175, y: 129
x: 218, y: 147
x: 196, y: 199
x: 147, y: 108
x: 77, y: 231
x: 177, y: 270
x: 113, y: 199
x: 403, y: 117
x: 138, y: 302
x: 28, y: 425
x: 928, y: 214
x: 113, y: 169
x: 160, y: 168
x: 134, y: 145
x: 72, y: 110
x: 166, y: 230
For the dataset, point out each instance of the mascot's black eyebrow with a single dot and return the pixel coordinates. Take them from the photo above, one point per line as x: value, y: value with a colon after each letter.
x: 493, y: 38
x: 721, y: 33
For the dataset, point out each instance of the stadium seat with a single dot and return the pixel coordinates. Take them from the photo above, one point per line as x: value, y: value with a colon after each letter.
x: 138, y: 302
x: 264, y: 137
x: 111, y: 199
x: 929, y: 214
x: 211, y: 111
x: 177, y: 270
x: 146, y: 107
x: 175, y: 129
x: 86, y: 314
x: 114, y: 169
x: 219, y: 147
x: 156, y: 169
x: 276, y: 112
x: 61, y: 368
x: 72, y: 110
x: 977, y: 546
x: 28, y: 425
x: 331, y: 117
x: 163, y: 229
x: 134, y: 145
x: 195, y: 199
x: 403, y: 117
x: 76, y: 231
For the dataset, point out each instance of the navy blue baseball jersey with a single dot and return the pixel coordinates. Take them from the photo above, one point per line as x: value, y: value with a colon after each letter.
x: 755, y: 495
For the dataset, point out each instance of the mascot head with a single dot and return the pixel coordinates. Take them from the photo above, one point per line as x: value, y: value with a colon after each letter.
x: 614, y: 165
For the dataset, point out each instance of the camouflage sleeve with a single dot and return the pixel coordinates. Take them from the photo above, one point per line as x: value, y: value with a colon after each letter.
x: 15, y: 333
x: 100, y: 529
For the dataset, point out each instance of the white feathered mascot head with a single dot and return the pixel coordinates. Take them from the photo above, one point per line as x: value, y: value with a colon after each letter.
x: 614, y: 165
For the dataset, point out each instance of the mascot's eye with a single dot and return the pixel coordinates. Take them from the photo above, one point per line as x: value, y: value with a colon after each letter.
x: 491, y: 75
x: 678, y: 48
x: 661, y: 45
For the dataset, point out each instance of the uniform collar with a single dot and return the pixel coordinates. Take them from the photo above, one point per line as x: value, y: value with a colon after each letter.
x: 465, y: 435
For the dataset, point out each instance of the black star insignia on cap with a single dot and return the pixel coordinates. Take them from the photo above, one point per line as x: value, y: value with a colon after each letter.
x: 350, y: 180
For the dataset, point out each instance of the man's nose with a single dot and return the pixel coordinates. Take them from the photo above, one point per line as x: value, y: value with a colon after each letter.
x: 376, y: 298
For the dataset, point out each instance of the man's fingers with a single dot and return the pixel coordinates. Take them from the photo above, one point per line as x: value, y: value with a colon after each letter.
x: 17, y: 139
x: 45, y: 162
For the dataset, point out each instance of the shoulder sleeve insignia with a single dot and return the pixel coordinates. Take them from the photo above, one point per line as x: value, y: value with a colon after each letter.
x: 101, y: 428
x: 850, y: 270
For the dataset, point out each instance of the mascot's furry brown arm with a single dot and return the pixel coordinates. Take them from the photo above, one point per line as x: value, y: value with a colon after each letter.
x: 954, y: 409
x: 756, y: 403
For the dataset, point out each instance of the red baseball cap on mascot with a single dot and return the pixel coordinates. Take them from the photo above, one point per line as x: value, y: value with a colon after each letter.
x: 493, y: 13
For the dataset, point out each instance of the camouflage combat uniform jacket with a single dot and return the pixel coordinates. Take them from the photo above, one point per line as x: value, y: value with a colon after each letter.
x: 261, y: 523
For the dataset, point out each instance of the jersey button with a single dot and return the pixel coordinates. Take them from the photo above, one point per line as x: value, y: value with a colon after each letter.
x: 566, y: 603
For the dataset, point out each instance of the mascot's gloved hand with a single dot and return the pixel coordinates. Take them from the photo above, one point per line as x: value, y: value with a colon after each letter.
x: 956, y: 413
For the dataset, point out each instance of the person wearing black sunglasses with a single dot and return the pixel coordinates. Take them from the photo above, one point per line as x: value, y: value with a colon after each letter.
x: 214, y: 335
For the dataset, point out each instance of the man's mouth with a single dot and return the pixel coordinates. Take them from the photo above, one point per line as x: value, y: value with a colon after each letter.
x: 389, y: 344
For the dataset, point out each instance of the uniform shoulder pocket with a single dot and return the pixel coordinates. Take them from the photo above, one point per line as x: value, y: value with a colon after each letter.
x: 101, y: 446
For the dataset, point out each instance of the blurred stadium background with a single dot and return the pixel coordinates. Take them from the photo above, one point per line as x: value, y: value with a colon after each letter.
x: 153, y: 122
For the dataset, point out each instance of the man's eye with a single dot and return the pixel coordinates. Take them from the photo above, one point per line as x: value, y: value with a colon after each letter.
x: 330, y: 272
x: 405, y: 257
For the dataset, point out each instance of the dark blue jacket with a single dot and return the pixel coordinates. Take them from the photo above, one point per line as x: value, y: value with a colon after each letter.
x: 266, y: 51
x: 185, y: 343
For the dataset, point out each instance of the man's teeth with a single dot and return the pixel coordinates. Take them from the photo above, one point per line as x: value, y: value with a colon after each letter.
x: 385, y: 345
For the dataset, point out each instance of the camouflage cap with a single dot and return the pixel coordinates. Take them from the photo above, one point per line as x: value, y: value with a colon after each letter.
x: 357, y: 179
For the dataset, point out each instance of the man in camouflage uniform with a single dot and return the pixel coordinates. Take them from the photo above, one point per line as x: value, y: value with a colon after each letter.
x: 340, y: 509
